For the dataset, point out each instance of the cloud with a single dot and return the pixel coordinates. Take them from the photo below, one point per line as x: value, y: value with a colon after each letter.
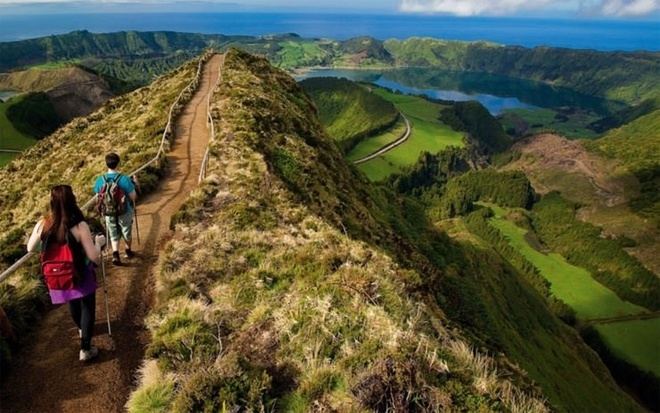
x: 627, y: 8
x: 472, y: 7
x: 617, y: 8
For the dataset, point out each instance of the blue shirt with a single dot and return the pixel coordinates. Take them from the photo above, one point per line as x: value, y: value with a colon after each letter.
x: 124, y: 182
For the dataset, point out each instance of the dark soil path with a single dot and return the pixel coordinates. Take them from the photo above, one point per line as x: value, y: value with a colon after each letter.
x: 47, y: 377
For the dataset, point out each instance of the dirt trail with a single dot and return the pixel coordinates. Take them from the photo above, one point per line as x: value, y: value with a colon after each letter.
x: 389, y: 146
x: 48, y: 377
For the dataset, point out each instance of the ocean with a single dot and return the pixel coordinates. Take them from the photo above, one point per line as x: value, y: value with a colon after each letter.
x: 582, y: 34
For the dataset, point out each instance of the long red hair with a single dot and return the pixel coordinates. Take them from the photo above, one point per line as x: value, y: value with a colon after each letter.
x: 64, y: 214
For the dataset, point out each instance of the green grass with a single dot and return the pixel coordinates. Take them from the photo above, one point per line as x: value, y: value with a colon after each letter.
x: 429, y: 134
x: 571, y: 284
x: 10, y: 137
x: 636, y: 144
x: 635, y: 341
x: 543, y: 120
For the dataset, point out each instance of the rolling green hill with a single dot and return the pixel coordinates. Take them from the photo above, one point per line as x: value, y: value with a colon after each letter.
x: 83, y: 44
x: 350, y: 112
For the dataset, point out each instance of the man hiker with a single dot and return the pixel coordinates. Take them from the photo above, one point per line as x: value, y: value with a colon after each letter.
x: 116, y: 197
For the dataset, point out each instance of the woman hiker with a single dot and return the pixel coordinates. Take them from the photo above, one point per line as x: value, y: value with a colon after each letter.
x: 66, y: 243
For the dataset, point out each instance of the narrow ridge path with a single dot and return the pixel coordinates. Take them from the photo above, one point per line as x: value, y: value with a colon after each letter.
x: 47, y: 376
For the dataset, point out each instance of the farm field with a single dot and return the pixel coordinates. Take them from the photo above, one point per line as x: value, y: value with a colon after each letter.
x: 428, y: 135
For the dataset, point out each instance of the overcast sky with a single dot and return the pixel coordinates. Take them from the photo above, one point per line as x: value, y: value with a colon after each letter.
x: 565, y: 8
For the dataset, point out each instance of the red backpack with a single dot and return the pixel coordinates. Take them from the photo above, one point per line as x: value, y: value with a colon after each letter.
x: 58, y: 265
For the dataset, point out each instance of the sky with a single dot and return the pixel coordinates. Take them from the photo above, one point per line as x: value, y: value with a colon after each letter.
x: 611, y: 9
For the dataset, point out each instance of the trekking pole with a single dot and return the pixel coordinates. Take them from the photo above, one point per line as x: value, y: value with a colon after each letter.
x: 137, y: 227
x: 105, y: 288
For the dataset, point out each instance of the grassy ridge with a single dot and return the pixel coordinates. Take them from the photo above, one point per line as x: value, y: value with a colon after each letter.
x: 83, y: 44
x: 350, y: 112
x: 279, y: 299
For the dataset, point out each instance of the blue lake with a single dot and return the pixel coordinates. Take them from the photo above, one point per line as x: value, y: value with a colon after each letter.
x: 6, y: 94
x: 496, y: 93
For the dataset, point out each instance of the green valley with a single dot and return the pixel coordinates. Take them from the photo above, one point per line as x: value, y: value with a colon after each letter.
x: 634, y: 341
x: 573, y: 285
x: 429, y: 134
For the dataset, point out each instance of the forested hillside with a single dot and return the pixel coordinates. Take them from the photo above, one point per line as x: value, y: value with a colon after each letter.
x: 626, y: 76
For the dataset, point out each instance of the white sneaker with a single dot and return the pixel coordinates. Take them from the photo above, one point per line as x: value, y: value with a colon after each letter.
x: 79, y: 333
x: 87, y: 355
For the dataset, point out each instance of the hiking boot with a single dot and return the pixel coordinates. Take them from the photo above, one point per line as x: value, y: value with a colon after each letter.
x: 115, y: 258
x: 129, y: 253
x: 87, y: 355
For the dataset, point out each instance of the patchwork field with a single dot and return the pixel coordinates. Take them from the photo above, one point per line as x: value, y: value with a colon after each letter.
x: 429, y: 134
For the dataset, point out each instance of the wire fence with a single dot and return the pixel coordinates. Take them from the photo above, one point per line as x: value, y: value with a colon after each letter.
x: 205, y: 161
x: 167, y: 134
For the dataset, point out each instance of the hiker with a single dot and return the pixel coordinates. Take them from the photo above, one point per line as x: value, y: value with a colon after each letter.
x: 116, y: 197
x: 68, y: 260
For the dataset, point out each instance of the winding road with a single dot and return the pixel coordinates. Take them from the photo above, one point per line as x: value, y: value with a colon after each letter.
x: 47, y: 377
x: 404, y: 137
